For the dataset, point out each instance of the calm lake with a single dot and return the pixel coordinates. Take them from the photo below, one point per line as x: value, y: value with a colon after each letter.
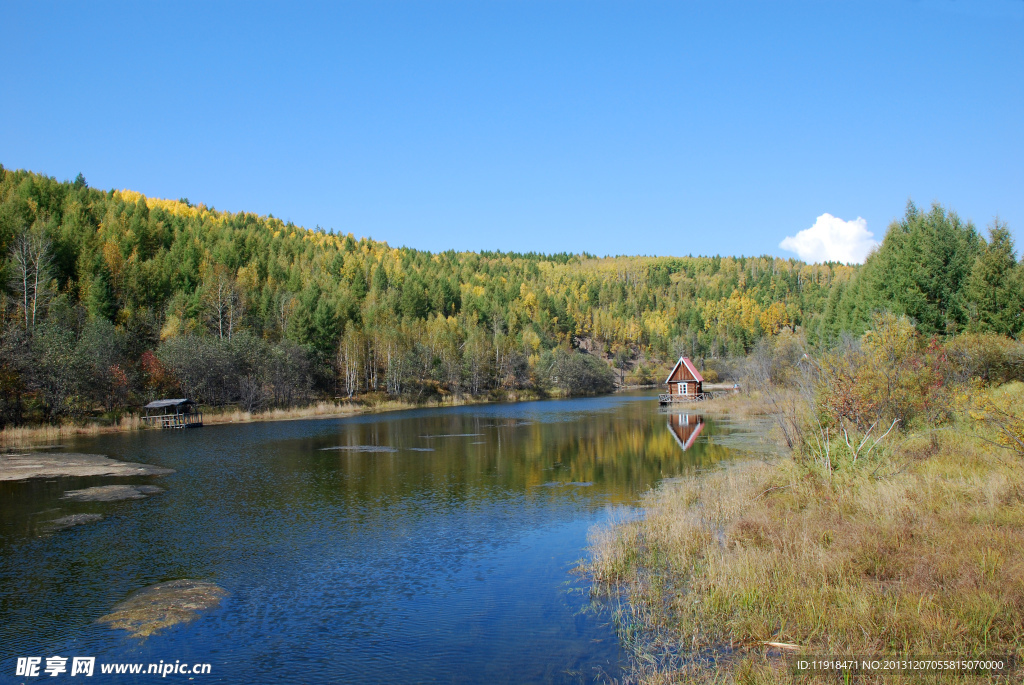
x: 421, y: 546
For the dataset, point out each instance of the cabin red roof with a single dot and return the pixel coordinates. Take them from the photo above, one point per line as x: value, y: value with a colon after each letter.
x: 689, y: 367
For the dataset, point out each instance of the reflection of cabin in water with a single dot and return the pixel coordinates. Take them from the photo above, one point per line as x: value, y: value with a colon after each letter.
x: 180, y: 413
x: 685, y: 428
x: 685, y: 384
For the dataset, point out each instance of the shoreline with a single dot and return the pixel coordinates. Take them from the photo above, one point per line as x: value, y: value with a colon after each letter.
x: 22, y: 437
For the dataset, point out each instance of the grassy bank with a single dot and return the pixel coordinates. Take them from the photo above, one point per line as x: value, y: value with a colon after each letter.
x: 24, y: 436
x: 916, y: 554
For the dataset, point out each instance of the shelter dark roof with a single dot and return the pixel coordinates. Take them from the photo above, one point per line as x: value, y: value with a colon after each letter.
x: 160, y: 404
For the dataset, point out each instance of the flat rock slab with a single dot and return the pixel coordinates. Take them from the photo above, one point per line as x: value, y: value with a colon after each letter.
x: 22, y: 466
x: 163, y: 605
x: 112, y: 493
x: 70, y: 521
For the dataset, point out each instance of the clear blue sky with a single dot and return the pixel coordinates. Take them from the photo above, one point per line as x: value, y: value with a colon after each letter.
x: 615, y: 128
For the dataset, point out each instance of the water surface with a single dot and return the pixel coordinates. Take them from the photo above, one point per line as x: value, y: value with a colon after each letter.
x: 421, y: 546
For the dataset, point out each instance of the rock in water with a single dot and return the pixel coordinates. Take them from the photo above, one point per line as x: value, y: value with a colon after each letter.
x: 56, y: 464
x: 112, y: 493
x: 163, y: 605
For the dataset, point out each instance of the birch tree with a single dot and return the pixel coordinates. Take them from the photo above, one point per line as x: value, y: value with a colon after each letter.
x: 31, y: 258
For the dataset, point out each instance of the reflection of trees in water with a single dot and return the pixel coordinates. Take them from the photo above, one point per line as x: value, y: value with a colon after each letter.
x: 623, y: 452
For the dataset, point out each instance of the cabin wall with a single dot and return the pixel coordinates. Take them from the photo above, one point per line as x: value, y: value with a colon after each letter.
x: 693, y: 389
x: 681, y: 374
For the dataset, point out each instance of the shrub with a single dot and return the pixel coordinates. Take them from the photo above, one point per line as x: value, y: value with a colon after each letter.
x: 578, y: 373
x: 1001, y: 410
x: 888, y: 375
x: 990, y: 357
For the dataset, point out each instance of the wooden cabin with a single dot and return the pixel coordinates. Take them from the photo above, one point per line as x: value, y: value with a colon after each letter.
x: 685, y: 384
x: 685, y: 428
x: 178, y: 413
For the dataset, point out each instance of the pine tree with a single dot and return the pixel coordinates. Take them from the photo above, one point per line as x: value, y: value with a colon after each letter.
x: 921, y: 268
x: 100, y: 299
x: 993, y: 290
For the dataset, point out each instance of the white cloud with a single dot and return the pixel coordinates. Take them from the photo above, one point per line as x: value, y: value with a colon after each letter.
x: 832, y: 239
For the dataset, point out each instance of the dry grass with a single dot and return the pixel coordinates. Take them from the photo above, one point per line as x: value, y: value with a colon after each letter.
x: 754, y: 405
x: 924, y: 560
x: 22, y: 436
x: 333, y: 409
x: 320, y: 409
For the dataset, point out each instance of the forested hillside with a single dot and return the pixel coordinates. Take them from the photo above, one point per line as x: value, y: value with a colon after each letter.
x: 113, y: 298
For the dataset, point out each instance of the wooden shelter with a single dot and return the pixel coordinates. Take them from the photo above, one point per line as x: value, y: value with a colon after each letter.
x: 685, y: 428
x: 685, y: 384
x: 179, y: 413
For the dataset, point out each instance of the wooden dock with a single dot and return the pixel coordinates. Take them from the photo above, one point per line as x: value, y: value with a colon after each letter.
x: 672, y: 398
x: 175, y: 420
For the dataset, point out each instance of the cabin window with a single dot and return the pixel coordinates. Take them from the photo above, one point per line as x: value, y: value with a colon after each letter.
x: 682, y: 389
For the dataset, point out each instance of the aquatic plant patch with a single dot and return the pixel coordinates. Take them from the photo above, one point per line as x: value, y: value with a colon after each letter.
x: 112, y: 493
x: 65, y: 522
x: 163, y: 605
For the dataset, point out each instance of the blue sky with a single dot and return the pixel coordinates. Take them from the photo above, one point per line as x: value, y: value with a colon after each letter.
x: 610, y: 127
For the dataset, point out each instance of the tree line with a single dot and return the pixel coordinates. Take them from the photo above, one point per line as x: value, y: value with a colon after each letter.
x: 940, y: 272
x: 112, y: 299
